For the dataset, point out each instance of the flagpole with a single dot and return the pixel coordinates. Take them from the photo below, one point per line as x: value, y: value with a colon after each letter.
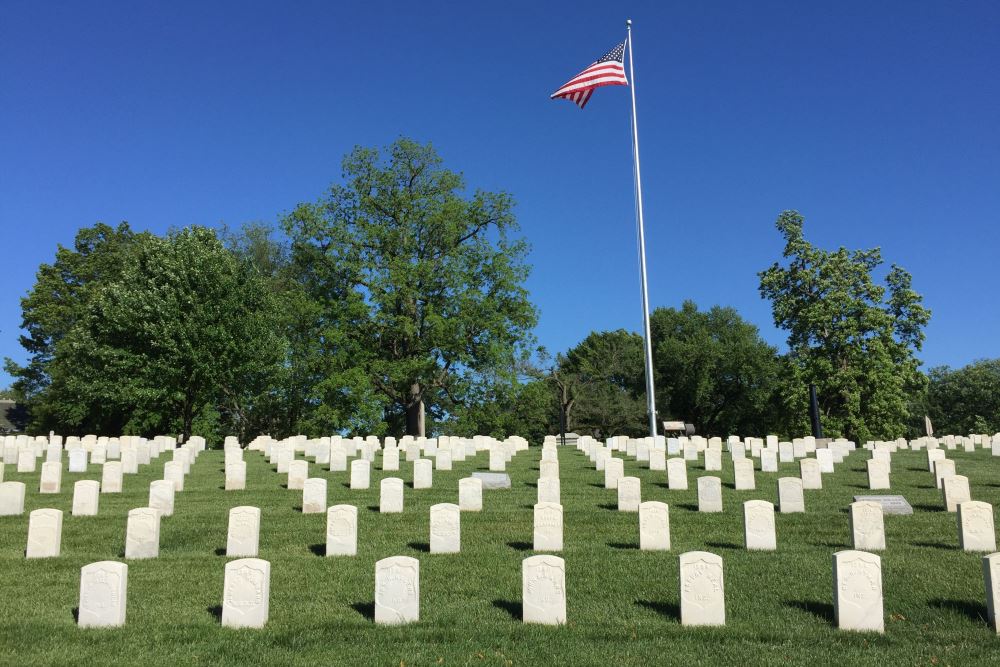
x: 650, y: 390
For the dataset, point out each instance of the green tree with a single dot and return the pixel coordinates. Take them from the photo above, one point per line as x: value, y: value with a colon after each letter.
x: 713, y: 370
x: 181, y: 332
x: 854, y: 339
x: 57, y: 304
x: 419, y: 288
x: 602, y: 386
x: 965, y: 400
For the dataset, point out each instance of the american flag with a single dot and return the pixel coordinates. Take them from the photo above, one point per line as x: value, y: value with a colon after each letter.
x: 608, y: 70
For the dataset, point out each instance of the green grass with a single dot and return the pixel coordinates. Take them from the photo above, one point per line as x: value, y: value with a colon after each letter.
x: 622, y: 603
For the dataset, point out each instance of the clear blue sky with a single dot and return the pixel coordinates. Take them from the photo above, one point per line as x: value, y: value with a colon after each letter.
x: 877, y: 120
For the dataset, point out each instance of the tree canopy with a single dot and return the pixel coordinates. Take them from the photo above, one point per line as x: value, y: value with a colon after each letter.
x: 855, y: 339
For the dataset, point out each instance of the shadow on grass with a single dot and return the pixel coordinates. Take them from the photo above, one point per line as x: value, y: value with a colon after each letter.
x: 687, y: 506
x: 221, y: 551
x: 373, y: 508
x: 76, y: 615
x: 609, y: 506
x: 929, y: 508
x: 723, y: 545
x: 830, y: 544
x: 934, y: 545
x: 366, y: 609
x: 419, y: 546
x: 297, y: 508
x: 623, y: 545
x: 821, y: 610
x: 970, y: 608
x: 515, y: 609
x: 667, y: 610
x: 596, y: 485
x: 729, y: 485
x: 925, y: 486
x: 346, y: 485
x: 520, y: 546
x: 318, y: 549
x: 533, y: 485
x: 216, y: 612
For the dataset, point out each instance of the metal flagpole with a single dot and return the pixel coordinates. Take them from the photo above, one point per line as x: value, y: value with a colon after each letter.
x: 650, y: 391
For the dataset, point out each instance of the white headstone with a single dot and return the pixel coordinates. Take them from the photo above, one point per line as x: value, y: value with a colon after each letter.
x: 314, y: 496
x: 342, y: 530
x: 391, y: 495
x: 85, y: 497
x: 548, y: 531
x: 360, y: 474
x: 677, y: 478
x: 709, y: 494
x: 142, y: 534
x: 247, y: 592
x: 811, y: 476
x: 103, y: 594
x: 743, y: 474
x: 614, y: 470
x: 654, y: 526
x: 790, y: 497
x: 236, y: 476
x: 943, y: 468
x: 857, y: 591
x: 397, y: 590
x: 976, y: 531
x: 173, y: 472
x: 549, y: 490
x: 758, y: 526
x: 703, y: 599
x: 543, y: 590
x: 658, y: 459
x: 243, y: 538
x: 825, y: 458
x: 44, y: 533
x: 390, y: 459
x: 26, y: 460
x: 867, y: 526
x: 423, y: 474
x: 470, y: 494
x: 78, y: 460
x: 629, y: 494
x: 878, y: 474
x: 51, y: 478
x: 446, y: 533
x: 161, y: 496
x: 991, y: 581
x: 768, y: 461
x: 955, y: 489
x: 713, y: 460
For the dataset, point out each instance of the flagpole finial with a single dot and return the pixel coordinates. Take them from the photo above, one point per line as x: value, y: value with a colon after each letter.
x: 628, y: 22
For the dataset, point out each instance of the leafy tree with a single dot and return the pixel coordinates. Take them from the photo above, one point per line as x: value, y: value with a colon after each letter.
x: 602, y: 386
x: 854, y: 339
x: 180, y: 331
x: 965, y: 400
x: 419, y: 289
x: 58, y: 303
x: 713, y: 370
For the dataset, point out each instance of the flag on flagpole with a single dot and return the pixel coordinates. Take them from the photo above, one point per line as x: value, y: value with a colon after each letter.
x: 608, y: 70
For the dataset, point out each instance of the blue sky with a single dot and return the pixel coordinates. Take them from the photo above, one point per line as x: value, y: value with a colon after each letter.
x: 878, y: 121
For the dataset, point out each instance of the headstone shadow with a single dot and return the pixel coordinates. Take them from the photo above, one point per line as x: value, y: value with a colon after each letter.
x: 318, y: 549
x: 515, y: 609
x: 972, y: 609
x: 668, y: 610
x: 366, y: 609
x: 520, y: 546
x: 420, y: 546
x: 934, y: 545
x: 216, y: 612
x: 723, y: 545
x: 623, y: 545
x: 821, y: 610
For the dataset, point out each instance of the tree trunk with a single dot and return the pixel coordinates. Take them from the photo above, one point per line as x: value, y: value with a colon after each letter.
x: 415, y: 412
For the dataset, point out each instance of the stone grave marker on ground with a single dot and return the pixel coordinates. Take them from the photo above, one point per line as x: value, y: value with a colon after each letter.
x: 654, y: 526
x: 44, y: 533
x: 991, y: 581
x: 86, y: 493
x: 548, y: 529
x: 759, y: 526
x: 543, y: 590
x: 702, y: 590
x: 709, y: 494
x: 360, y: 474
x: 790, y: 497
x: 314, y: 495
x: 857, y: 591
x: 244, y: 532
x: 890, y: 504
x: 142, y: 534
x: 629, y: 494
x: 677, y: 478
x: 743, y: 473
x: 246, y: 594
x: 103, y: 594
x: 161, y: 496
x: 867, y: 526
x: 955, y: 489
x: 470, y: 494
x: 391, y: 495
x: 342, y: 530
x: 446, y: 529
x: 397, y: 590
x: 976, y: 531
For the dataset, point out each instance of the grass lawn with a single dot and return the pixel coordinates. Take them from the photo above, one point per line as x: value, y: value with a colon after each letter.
x: 622, y: 603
